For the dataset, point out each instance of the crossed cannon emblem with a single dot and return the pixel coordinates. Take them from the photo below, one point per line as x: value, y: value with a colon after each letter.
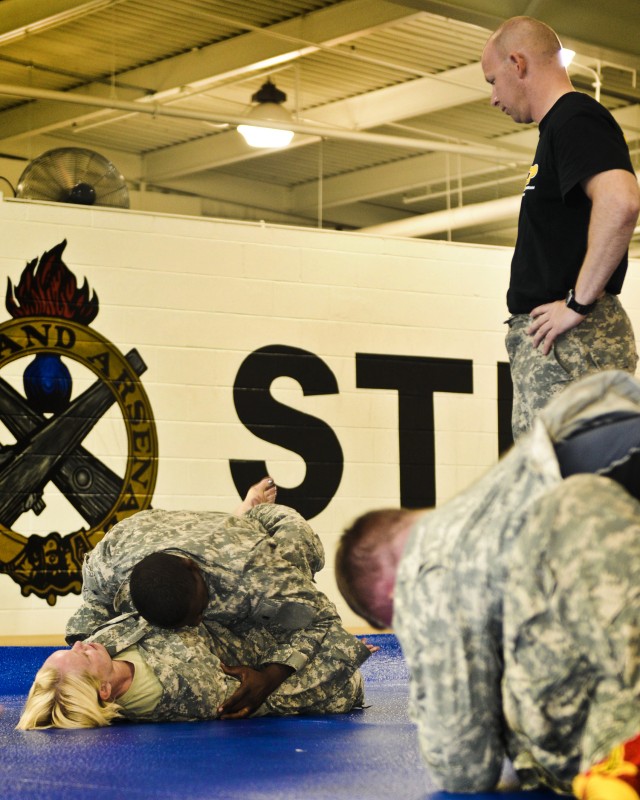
x: 49, y: 429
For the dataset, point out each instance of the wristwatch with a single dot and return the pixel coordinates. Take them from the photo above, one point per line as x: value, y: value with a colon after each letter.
x: 573, y: 304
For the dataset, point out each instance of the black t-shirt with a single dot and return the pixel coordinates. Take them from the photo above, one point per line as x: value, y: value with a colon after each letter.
x: 578, y: 139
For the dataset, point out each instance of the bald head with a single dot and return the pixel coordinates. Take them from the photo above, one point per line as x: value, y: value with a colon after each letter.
x: 537, y: 40
x: 521, y: 61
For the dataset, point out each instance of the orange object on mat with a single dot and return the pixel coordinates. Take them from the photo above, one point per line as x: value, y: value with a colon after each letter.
x: 617, y: 777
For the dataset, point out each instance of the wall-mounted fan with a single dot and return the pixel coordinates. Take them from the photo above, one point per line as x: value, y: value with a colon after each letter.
x: 74, y: 175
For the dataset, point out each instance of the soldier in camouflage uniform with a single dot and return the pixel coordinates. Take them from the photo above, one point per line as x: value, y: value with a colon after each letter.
x: 179, y: 677
x: 258, y: 569
x: 516, y: 606
x: 571, y: 681
x: 579, y: 209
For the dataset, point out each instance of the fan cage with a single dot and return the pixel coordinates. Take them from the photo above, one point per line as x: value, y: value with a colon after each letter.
x: 74, y: 175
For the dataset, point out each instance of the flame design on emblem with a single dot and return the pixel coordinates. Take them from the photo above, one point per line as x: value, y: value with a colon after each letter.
x: 48, y: 288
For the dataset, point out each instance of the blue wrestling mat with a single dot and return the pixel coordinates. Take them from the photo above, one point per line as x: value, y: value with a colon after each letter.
x: 365, y: 755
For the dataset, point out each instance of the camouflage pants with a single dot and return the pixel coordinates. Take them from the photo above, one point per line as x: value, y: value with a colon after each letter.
x: 571, y: 687
x: 329, y: 683
x: 604, y: 340
x: 301, y: 547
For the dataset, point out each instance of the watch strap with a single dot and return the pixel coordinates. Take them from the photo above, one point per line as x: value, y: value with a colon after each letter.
x: 573, y: 304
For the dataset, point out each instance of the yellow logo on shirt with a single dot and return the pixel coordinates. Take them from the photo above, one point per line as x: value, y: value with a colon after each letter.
x: 533, y: 171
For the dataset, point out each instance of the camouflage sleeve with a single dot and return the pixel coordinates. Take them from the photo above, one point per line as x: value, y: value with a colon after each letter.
x: 458, y: 715
x: 94, y: 610
x: 279, y: 579
x: 194, y: 685
x: 86, y: 619
x: 330, y: 683
x: 571, y: 627
x: 97, y: 606
x: 101, y: 573
x: 455, y: 674
x: 290, y: 605
x: 273, y: 515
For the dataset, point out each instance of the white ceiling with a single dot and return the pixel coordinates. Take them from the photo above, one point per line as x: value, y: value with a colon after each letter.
x: 394, y: 131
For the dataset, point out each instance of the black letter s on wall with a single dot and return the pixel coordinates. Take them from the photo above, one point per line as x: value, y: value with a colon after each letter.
x: 270, y: 420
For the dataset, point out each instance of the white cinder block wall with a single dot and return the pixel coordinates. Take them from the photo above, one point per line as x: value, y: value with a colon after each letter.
x: 196, y: 297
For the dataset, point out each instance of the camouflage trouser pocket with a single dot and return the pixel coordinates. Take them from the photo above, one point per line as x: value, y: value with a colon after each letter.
x: 603, y: 341
x: 573, y: 354
x: 536, y: 377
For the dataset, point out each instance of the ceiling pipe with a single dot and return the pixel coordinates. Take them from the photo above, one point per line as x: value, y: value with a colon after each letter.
x: 108, y: 103
x: 55, y: 20
x: 449, y: 220
x: 453, y: 218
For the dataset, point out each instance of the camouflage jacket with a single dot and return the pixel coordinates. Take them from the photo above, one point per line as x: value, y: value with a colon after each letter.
x: 448, y: 600
x: 187, y: 665
x: 258, y: 568
x: 571, y: 684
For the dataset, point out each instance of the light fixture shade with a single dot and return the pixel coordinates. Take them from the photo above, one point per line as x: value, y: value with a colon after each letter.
x: 265, y: 137
x: 268, y: 108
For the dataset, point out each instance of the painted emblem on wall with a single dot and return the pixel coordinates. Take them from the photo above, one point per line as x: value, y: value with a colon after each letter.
x: 84, y: 431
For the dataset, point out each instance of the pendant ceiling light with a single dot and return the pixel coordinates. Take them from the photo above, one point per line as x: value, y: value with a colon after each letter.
x: 269, y: 99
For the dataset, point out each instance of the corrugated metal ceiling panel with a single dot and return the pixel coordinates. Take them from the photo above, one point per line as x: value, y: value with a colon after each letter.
x: 303, y: 164
x: 426, y: 44
x: 131, y: 34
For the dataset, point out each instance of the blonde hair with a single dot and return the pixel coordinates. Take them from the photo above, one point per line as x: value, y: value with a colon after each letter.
x: 66, y: 701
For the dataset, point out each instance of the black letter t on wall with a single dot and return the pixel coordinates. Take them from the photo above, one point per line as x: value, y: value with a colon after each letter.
x: 415, y: 379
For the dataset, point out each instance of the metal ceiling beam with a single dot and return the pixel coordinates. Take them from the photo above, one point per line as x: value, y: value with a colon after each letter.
x: 232, y: 189
x: 407, y: 142
x: 418, y: 97
x: 240, y: 55
x: 207, y: 153
x: 452, y: 219
x: 401, y: 176
x: 410, y: 99
x: 262, y: 48
x: 21, y: 18
x: 602, y: 30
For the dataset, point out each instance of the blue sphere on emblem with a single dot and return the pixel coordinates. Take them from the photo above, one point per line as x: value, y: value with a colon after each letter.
x: 47, y: 384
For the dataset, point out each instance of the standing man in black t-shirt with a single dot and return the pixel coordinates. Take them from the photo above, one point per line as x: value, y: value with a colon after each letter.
x: 579, y: 207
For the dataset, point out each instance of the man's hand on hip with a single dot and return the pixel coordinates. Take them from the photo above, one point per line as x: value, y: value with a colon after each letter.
x: 549, y: 321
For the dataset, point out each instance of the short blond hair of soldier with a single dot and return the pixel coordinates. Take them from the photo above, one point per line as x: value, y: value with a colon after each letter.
x: 66, y: 701
x: 367, y: 559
